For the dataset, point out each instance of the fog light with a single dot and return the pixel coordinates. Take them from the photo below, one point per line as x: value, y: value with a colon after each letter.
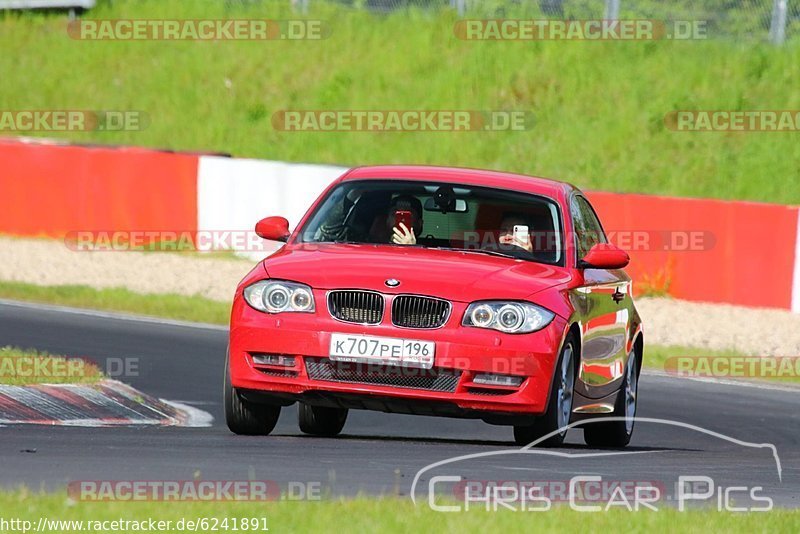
x: 273, y: 359
x: 498, y: 380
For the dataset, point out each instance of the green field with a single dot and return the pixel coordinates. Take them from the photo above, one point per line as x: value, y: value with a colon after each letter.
x: 598, y: 106
x: 119, y: 299
x: 20, y: 367
x: 379, y: 515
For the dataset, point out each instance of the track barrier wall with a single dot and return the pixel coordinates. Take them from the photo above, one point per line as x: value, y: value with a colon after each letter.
x: 745, y: 252
x: 748, y: 253
x: 50, y: 189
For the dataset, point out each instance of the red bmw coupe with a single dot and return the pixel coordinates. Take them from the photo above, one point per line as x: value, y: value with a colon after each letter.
x: 439, y: 291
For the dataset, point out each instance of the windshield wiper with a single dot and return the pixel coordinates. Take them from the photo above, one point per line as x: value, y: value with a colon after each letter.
x: 478, y: 251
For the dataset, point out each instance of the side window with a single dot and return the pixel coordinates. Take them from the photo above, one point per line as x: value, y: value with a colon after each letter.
x: 588, y: 230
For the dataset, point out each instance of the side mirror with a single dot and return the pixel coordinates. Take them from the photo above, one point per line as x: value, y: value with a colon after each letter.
x: 604, y: 256
x: 273, y: 228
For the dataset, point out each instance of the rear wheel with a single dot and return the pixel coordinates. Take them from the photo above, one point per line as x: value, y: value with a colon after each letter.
x: 321, y: 421
x: 618, y: 433
x: 559, y: 406
x: 247, y: 418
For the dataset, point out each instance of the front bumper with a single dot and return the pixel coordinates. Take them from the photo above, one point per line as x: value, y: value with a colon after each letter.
x: 448, y: 389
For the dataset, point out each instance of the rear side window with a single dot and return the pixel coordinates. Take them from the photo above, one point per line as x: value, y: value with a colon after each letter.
x: 588, y: 230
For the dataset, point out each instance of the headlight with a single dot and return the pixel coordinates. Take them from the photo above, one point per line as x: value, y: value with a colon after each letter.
x: 508, y: 317
x: 273, y: 296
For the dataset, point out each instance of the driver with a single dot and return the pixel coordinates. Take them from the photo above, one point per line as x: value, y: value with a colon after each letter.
x: 401, y: 234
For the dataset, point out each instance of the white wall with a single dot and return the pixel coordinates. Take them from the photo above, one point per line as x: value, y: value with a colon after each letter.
x: 234, y: 194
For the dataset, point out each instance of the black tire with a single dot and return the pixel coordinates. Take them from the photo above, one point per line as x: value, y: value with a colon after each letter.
x: 246, y: 418
x: 549, y: 422
x: 321, y: 421
x: 617, y: 434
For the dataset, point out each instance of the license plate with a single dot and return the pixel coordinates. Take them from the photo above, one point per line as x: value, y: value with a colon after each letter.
x: 372, y: 349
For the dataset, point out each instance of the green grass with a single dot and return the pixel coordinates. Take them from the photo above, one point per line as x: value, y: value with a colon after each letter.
x: 390, y: 515
x: 170, y: 306
x: 663, y: 358
x: 598, y: 106
x: 22, y: 367
x: 656, y: 356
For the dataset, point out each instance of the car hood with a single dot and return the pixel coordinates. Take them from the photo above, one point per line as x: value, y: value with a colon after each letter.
x: 453, y: 275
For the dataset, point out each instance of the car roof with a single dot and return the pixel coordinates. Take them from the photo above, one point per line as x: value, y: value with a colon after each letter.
x: 476, y: 177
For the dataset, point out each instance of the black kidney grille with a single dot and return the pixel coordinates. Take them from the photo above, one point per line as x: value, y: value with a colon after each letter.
x: 409, y: 311
x: 362, y: 307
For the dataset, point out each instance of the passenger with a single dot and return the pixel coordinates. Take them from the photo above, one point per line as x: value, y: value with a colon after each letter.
x: 507, y: 236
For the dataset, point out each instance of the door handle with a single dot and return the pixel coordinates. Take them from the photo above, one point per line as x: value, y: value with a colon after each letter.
x: 618, y: 296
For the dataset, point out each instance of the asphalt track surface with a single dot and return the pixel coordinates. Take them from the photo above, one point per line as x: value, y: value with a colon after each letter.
x: 377, y: 454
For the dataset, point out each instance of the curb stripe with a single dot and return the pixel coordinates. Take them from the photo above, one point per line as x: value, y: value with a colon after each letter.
x: 13, y: 409
x: 103, y: 400
x: 104, y: 404
x: 82, y: 406
x: 46, y: 406
x: 153, y: 410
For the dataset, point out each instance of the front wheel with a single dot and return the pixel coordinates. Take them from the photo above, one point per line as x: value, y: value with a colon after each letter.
x: 247, y: 418
x: 617, y: 434
x: 321, y: 421
x: 559, y: 406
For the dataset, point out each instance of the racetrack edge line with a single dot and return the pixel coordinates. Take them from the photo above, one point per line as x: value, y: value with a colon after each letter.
x: 120, y: 316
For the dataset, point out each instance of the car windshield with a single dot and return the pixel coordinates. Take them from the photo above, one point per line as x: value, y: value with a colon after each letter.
x: 440, y: 216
